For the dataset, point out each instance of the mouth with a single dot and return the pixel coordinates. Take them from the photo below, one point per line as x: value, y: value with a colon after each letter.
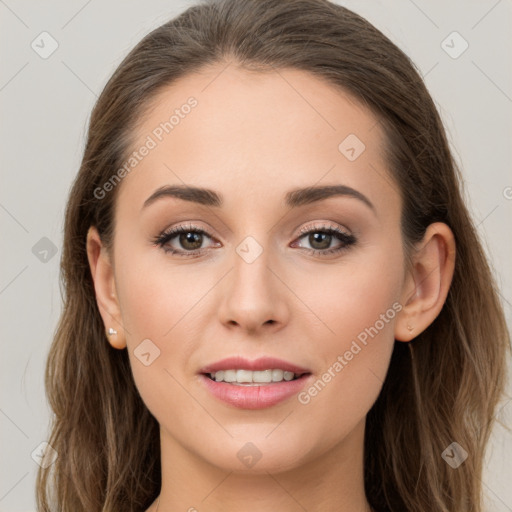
x: 243, y: 377
x: 257, y: 384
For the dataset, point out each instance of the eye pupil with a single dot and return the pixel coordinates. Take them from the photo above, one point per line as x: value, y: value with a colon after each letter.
x: 322, y: 238
x: 193, y: 238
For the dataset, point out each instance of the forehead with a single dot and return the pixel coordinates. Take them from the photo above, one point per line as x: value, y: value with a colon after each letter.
x: 249, y: 133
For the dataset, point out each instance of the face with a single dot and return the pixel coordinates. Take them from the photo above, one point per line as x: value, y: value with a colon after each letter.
x: 307, y: 284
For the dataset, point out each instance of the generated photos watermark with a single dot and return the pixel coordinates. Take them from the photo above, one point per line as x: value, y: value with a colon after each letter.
x: 151, y: 142
x: 343, y: 360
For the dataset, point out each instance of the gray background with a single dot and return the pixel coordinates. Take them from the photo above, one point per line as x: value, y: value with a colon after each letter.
x: 45, y: 104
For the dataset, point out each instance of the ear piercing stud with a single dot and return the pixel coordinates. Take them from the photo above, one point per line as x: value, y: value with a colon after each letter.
x: 111, y: 331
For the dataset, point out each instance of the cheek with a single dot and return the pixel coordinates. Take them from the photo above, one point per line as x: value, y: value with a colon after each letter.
x: 161, y: 307
x: 157, y: 297
x: 358, y: 303
x: 355, y: 363
x: 357, y: 294
x: 157, y: 314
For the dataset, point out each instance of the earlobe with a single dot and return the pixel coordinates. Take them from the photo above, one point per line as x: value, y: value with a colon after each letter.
x: 426, y: 286
x: 104, y: 286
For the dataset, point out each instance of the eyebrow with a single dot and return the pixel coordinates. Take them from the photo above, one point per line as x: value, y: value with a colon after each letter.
x: 293, y: 199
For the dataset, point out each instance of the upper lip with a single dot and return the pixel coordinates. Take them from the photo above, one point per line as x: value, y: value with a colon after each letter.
x: 262, y: 363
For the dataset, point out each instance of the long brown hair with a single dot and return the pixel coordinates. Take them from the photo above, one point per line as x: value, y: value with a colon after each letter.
x: 442, y: 387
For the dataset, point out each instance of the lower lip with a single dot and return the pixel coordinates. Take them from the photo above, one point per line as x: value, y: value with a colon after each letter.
x: 255, y: 397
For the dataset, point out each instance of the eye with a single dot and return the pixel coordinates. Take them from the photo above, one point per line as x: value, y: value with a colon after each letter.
x: 321, y: 237
x: 190, y: 238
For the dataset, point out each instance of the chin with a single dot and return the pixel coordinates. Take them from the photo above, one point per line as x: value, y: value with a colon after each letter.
x: 253, y: 452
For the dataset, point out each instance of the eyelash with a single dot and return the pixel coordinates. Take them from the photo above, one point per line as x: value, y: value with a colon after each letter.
x: 166, y: 236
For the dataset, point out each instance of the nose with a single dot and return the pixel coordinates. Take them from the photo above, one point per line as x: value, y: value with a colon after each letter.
x: 254, y: 296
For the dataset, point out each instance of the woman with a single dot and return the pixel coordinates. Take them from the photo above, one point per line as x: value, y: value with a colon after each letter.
x: 275, y: 298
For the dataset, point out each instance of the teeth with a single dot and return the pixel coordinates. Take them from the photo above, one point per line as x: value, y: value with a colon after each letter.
x: 277, y: 375
x: 248, y: 377
x: 244, y: 376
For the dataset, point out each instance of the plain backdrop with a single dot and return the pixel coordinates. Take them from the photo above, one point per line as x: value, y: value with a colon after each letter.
x: 45, y: 107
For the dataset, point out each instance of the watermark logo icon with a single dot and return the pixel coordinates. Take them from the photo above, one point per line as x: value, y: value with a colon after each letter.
x: 44, y: 45
x: 351, y: 147
x: 249, y: 249
x: 44, y: 455
x: 249, y: 454
x: 146, y: 352
x: 454, y: 455
x: 454, y: 45
x: 44, y: 250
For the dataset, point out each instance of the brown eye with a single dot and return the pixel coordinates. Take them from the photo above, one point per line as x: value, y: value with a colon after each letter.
x: 182, y: 240
x: 191, y: 240
x: 320, y: 239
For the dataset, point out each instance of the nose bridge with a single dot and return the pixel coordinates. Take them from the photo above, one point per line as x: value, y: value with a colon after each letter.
x: 251, y: 281
x: 253, y: 295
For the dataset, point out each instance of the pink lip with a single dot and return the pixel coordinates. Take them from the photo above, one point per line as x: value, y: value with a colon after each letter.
x: 262, y: 363
x: 254, y: 397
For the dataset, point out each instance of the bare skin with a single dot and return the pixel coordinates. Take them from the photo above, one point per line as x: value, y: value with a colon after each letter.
x: 252, y: 138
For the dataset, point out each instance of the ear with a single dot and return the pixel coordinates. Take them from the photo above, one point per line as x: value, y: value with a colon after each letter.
x: 104, y: 284
x: 426, y: 285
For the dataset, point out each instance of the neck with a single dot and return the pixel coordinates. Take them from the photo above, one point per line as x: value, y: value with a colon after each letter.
x: 331, y: 482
